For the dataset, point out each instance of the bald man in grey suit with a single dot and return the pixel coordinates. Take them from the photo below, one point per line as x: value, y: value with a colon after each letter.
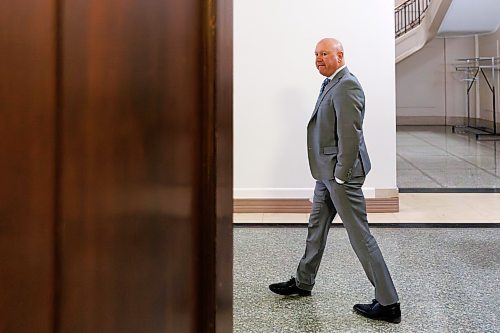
x: 339, y: 162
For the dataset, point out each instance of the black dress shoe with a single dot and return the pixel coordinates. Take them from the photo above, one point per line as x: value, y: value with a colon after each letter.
x: 288, y: 288
x: 390, y: 313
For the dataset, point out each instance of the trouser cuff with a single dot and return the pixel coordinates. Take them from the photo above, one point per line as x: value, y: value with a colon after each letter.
x: 304, y: 286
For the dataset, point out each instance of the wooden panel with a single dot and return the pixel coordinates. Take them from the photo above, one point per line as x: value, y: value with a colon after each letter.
x: 224, y: 171
x: 382, y: 205
x: 373, y: 205
x: 272, y: 206
x: 131, y: 147
x: 216, y: 190
x: 27, y: 118
x: 139, y: 182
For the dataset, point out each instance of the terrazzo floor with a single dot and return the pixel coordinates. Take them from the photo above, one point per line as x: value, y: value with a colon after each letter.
x: 448, y: 280
x: 435, y: 157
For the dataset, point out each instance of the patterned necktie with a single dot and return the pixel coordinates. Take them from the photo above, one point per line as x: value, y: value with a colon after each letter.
x: 323, y: 86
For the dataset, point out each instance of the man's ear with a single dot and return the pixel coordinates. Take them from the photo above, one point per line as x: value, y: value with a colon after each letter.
x: 340, y: 55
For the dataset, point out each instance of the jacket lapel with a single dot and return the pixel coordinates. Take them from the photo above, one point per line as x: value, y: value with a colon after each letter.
x: 330, y: 86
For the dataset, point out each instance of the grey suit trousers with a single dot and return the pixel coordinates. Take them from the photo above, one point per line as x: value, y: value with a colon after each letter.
x: 348, y: 201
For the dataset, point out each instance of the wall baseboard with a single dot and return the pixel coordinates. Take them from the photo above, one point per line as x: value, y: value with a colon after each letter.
x: 439, y: 120
x: 373, y: 205
x: 420, y: 120
x: 303, y: 193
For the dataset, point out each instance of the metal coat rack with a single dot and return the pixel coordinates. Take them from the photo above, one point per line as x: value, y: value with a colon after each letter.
x: 472, y: 67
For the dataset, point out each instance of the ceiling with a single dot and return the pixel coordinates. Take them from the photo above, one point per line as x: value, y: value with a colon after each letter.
x: 469, y: 17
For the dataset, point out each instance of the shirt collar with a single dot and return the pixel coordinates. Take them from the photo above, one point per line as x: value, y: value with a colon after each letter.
x: 336, y: 72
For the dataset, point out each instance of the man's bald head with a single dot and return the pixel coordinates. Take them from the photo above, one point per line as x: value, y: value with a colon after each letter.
x: 329, y: 56
x: 333, y: 43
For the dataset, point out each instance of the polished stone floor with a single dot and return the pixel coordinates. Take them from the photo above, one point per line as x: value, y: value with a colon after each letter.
x: 448, y: 281
x: 434, y: 157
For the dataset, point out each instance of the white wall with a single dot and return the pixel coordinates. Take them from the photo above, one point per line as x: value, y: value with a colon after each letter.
x: 469, y: 17
x: 429, y: 90
x: 456, y: 110
x: 276, y: 85
x: 398, y: 2
x: 489, y: 46
x: 420, y: 88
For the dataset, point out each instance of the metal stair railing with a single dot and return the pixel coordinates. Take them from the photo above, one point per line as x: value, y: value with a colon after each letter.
x: 409, y: 15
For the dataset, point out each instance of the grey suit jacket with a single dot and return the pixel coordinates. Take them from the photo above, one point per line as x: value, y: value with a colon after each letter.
x: 336, y: 147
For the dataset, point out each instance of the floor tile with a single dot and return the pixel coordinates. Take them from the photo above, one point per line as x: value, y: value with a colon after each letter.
x: 414, y: 178
x: 410, y: 151
x: 285, y: 218
x: 441, y: 163
x: 467, y: 178
x: 445, y: 159
x: 247, y: 217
